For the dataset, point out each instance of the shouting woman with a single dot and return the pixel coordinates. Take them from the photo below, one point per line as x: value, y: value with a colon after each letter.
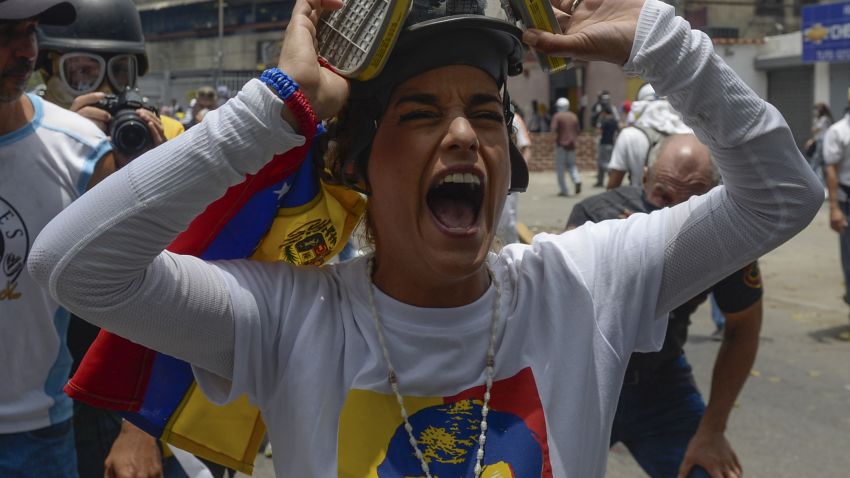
x: 433, y: 356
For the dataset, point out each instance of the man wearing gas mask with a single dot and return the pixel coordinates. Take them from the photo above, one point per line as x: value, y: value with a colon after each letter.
x: 92, y: 67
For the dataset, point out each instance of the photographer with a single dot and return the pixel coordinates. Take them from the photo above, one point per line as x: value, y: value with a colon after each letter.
x: 92, y: 66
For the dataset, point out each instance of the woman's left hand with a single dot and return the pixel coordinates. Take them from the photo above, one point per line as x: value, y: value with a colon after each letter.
x: 326, y: 90
x: 602, y: 30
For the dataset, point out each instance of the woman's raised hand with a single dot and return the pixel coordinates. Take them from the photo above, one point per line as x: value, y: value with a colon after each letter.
x: 602, y: 30
x: 326, y: 90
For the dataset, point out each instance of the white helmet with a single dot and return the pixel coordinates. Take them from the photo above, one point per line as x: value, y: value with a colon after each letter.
x: 646, y: 93
x: 562, y: 104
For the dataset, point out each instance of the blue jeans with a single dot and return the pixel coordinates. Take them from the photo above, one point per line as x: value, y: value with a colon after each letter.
x: 657, y: 415
x: 565, y: 161
x: 45, y: 453
x: 603, y: 158
x: 716, y: 314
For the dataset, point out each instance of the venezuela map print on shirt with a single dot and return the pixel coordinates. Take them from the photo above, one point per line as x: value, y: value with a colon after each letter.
x: 374, y: 444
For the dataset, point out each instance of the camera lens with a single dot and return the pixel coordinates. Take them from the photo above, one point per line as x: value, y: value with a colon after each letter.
x: 130, y: 134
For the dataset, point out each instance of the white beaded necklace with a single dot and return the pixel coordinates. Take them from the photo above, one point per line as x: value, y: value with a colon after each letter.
x: 392, y: 377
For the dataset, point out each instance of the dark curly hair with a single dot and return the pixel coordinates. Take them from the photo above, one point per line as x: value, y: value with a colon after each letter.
x: 343, y: 155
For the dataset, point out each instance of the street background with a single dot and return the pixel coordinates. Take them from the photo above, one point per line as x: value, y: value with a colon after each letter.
x: 793, y: 417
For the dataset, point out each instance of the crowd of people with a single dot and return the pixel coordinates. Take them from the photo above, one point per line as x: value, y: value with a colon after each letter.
x: 446, y: 325
x: 626, y: 139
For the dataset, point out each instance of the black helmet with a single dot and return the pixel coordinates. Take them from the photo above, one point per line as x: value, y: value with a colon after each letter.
x: 102, y: 27
x: 487, y: 43
x: 429, y: 41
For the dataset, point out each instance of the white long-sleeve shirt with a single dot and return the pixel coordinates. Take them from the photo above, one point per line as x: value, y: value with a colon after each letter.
x: 301, y: 342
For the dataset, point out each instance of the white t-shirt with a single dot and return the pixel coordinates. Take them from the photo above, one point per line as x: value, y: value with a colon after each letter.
x: 632, y: 145
x: 836, y: 150
x: 315, y: 367
x: 43, y: 167
x: 629, y: 154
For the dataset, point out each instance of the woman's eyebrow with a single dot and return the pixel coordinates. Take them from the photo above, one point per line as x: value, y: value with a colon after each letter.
x: 477, y: 99
x: 483, y: 99
x: 422, y: 98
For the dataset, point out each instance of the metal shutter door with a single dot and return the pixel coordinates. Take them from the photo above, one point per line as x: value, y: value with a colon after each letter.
x: 791, y: 90
x: 839, y: 88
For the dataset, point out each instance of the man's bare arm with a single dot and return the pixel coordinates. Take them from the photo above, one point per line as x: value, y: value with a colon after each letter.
x: 615, y: 178
x: 709, y: 447
x: 104, y: 168
x: 837, y: 220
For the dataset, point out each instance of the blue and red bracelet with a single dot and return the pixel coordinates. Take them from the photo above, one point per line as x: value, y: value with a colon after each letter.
x: 289, y: 91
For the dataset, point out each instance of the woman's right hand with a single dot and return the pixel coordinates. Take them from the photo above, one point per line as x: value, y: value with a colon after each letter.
x: 326, y: 91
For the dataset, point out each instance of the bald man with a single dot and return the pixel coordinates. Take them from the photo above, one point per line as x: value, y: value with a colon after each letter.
x: 661, y: 417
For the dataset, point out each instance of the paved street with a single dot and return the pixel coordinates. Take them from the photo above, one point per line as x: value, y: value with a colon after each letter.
x: 793, y: 417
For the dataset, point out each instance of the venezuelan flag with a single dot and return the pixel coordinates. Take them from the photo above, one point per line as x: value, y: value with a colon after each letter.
x: 284, y: 212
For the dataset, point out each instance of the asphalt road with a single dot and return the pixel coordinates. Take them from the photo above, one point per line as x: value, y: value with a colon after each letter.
x: 793, y: 417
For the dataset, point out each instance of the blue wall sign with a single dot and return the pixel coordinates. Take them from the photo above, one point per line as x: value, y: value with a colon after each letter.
x: 826, y: 32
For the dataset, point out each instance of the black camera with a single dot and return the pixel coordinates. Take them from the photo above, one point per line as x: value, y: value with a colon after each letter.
x: 129, y: 132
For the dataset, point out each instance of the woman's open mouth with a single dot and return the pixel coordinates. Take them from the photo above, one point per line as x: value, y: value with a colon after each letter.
x: 455, y: 202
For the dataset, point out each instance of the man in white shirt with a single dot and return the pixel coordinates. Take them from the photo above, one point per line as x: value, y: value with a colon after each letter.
x: 636, y: 143
x: 836, y: 155
x: 48, y: 157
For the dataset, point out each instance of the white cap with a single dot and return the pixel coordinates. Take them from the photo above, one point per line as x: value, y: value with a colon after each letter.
x: 646, y: 93
x: 562, y: 104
